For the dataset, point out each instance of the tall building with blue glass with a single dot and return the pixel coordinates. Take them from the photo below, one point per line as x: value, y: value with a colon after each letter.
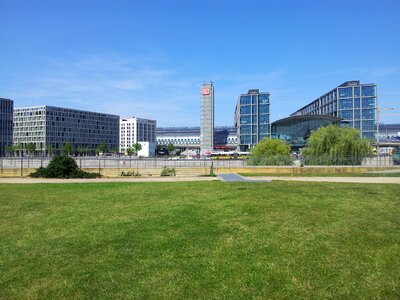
x: 252, y: 118
x: 351, y: 101
x: 6, y: 124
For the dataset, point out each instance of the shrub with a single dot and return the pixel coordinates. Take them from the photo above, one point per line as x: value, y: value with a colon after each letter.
x: 62, y: 167
x: 270, y: 152
x: 168, y: 171
x: 130, y: 173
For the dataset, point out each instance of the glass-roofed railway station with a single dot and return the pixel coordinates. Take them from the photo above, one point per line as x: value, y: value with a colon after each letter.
x: 296, y: 130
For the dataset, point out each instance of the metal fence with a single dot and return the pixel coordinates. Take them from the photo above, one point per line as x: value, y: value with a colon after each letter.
x: 159, y: 163
x: 119, y: 162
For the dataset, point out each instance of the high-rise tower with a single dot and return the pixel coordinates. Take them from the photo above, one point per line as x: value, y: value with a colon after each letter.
x: 206, y: 118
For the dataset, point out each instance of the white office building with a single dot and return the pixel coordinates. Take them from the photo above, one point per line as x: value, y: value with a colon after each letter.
x: 136, y: 130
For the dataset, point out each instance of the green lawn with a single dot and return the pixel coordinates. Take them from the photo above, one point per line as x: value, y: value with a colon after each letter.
x: 341, y: 174
x: 206, y: 240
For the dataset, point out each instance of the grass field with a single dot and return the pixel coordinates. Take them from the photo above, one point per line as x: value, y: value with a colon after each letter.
x: 341, y: 174
x: 200, y: 240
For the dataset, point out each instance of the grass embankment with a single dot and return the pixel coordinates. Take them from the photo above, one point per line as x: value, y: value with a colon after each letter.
x: 389, y: 174
x: 200, y: 240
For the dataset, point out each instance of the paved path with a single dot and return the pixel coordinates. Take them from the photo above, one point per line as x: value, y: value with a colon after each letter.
x: 238, y: 178
x: 392, y: 180
x: 102, y: 180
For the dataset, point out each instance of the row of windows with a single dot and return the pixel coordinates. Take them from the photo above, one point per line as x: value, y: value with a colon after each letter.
x: 252, y: 119
x: 364, y: 102
x: 254, y: 99
x: 357, y: 114
x: 366, y: 91
x: 252, y: 109
x: 252, y: 139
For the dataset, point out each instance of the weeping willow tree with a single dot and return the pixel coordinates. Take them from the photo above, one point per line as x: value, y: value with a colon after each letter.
x: 334, y: 145
x: 270, y: 152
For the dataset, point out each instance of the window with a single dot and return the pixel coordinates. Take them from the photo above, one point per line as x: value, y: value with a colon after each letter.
x: 346, y: 114
x: 356, y: 102
x: 245, y: 119
x: 245, y: 109
x: 245, y: 139
x: 245, y: 100
x: 254, y: 109
x: 263, y: 109
x: 368, y: 90
x: 368, y: 125
x: 263, y: 99
x: 263, y: 119
x: 345, y: 92
x: 356, y: 91
x: 368, y: 102
x: 357, y: 114
x: 368, y: 113
x: 345, y: 103
x: 246, y: 129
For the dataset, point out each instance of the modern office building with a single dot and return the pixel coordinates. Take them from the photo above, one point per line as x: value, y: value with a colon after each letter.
x: 351, y: 101
x: 6, y: 124
x: 296, y: 130
x: 206, y: 118
x: 52, y: 127
x: 225, y: 137
x: 136, y: 130
x: 252, y: 118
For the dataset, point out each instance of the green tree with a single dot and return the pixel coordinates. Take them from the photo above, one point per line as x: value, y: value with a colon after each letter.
x: 114, y: 150
x: 270, y: 152
x: 31, y: 148
x: 49, y: 150
x: 334, y: 145
x: 67, y: 149
x: 137, y: 147
x: 101, y: 148
x: 18, y: 148
x: 130, y: 151
x: 170, y: 148
x: 9, y: 150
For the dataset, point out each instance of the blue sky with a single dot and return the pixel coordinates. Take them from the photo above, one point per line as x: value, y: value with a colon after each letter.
x: 147, y: 58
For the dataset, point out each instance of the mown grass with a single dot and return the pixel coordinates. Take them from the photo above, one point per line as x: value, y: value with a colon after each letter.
x: 200, y: 240
x: 389, y: 174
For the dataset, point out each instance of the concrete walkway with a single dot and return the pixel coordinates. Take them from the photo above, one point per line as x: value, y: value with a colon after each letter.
x: 239, y: 178
x: 389, y: 180
x: 105, y: 180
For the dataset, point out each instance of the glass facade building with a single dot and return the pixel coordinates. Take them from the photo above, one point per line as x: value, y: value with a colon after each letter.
x: 6, y: 124
x: 351, y: 101
x: 296, y: 130
x: 252, y: 118
x: 49, y: 126
x: 207, y: 118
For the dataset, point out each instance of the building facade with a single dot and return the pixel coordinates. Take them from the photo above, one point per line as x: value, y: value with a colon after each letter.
x: 252, y: 118
x: 50, y: 127
x: 6, y: 124
x: 207, y: 118
x: 225, y: 137
x: 351, y: 101
x: 296, y: 130
x: 137, y: 130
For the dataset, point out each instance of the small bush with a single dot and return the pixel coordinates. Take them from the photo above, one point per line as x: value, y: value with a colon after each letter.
x: 168, y: 171
x: 62, y: 167
x: 130, y: 173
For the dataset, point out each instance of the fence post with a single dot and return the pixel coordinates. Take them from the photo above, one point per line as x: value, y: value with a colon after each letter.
x: 2, y: 165
x: 22, y: 166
